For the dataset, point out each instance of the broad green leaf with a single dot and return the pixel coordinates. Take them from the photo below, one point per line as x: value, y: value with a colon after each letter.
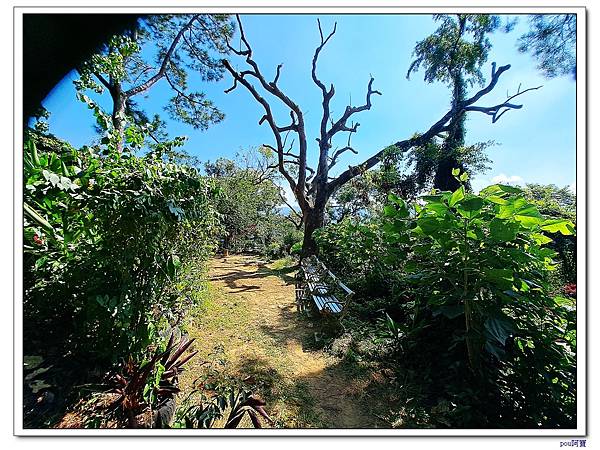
x: 410, y: 266
x: 471, y: 204
x: 31, y: 362
x: 457, y: 196
x: 429, y: 224
x: 160, y: 369
x: 509, y: 189
x: 497, y: 200
x: 564, y: 226
x: 470, y: 207
x: 494, y: 189
x: 439, y: 208
x: 38, y: 218
x: 389, y: 211
x: 503, y: 278
x: 432, y: 198
x: 38, y: 385
x: 527, y: 214
x: 507, y: 211
x: 540, y: 238
x: 503, y: 231
x: 499, y: 327
x: 37, y: 372
x: 34, y: 154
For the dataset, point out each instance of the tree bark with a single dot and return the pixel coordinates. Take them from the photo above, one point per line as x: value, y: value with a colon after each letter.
x: 118, y: 114
x: 443, y: 179
x: 313, y: 220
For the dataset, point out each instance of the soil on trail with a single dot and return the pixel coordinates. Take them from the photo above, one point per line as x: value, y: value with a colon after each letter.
x: 251, y: 322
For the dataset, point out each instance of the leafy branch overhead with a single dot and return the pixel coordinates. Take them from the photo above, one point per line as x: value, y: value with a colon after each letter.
x: 181, y: 44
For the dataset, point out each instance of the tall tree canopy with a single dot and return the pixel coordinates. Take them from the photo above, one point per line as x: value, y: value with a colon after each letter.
x: 551, y: 40
x: 164, y: 47
x: 454, y: 55
x: 248, y: 200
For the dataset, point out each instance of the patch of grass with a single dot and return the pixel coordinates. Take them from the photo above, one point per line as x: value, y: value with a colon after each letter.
x: 282, y: 264
x: 295, y: 408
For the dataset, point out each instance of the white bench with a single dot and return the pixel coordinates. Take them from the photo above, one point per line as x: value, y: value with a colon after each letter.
x: 315, y: 282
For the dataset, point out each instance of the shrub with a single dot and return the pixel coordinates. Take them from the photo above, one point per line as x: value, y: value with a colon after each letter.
x: 480, y: 326
x: 106, y: 235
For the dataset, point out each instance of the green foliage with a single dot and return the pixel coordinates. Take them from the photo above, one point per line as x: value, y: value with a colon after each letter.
x: 227, y: 404
x: 106, y: 236
x: 412, y: 173
x: 296, y: 249
x: 366, y: 255
x: 552, y: 200
x: 163, y: 47
x: 219, y: 400
x: 551, y: 40
x: 359, y: 197
x: 560, y: 204
x: 468, y: 298
x: 248, y: 202
x: 459, y: 45
x: 454, y: 54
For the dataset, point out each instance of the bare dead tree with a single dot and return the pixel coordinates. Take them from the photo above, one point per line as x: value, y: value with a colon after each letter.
x: 313, y: 188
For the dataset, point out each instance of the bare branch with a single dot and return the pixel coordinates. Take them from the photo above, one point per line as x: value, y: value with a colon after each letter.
x: 297, y: 117
x: 498, y: 111
x: 439, y: 127
x: 278, y: 72
x: 298, y: 224
x: 316, y: 57
x: 340, y: 125
x: 238, y: 77
x: 297, y: 163
x: 337, y: 154
x: 348, y: 147
x: 235, y: 83
x: 243, y: 36
x: 284, y: 153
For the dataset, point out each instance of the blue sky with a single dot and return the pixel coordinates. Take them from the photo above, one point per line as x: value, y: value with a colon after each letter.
x: 537, y: 143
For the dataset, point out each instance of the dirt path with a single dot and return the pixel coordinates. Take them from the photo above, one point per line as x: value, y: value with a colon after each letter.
x: 250, y: 319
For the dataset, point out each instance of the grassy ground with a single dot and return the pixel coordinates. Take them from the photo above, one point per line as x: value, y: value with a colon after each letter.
x: 249, y: 323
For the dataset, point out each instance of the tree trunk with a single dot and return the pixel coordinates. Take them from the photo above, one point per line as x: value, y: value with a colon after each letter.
x: 118, y: 116
x: 449, y: 159
x: 314, y: 219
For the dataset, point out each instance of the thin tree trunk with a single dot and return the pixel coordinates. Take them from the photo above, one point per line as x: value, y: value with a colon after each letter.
x: 118, y: 116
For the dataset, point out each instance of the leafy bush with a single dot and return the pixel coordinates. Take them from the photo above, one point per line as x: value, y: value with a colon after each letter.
x: 558, y: 203
x: 106, y: 235
x: 480, y: 326
x: 365, y: 255
x: 296, y: 249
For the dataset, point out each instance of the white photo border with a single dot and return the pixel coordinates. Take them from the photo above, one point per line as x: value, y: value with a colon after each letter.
x: 307, y: 7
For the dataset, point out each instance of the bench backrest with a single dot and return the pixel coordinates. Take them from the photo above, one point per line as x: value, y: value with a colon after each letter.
x: 312, y: 266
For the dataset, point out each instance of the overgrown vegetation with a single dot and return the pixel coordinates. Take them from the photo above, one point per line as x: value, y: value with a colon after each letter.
x: 465, y: 282
x: 465, y: 307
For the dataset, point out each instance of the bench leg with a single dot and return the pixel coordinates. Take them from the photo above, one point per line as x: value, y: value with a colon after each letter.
x: 300, y: 297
